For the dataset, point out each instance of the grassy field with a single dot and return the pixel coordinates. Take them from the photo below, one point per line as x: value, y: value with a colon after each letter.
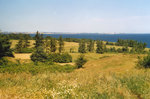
x: 104, y: 76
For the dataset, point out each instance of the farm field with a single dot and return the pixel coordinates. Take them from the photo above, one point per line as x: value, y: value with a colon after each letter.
x: 104, y: 76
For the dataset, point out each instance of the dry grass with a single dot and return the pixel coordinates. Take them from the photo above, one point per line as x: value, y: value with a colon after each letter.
x: 22, y: 56
x: 96, y: 76
x: 104, y: 76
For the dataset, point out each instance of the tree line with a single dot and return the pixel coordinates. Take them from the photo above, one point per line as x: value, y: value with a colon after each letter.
x: 49, y: 44
x: 45, y: 50
x: 101, y: 48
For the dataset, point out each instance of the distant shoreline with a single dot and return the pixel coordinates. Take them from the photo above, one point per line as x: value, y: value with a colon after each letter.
x: 70, y: 33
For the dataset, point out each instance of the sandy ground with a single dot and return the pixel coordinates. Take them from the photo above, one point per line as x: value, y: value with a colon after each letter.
x: 22, y: 56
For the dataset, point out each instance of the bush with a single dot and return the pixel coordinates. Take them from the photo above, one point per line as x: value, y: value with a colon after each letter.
x: 80, y: 61
x: 39, y: 55
x: 66, y: 58
x: 144, y: 62
x: 60, y: 58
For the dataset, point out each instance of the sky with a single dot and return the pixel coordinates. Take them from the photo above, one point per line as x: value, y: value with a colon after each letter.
x: 92, y: 16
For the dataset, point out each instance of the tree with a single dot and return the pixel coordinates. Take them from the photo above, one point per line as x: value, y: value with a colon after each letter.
x: 125, y: 49
x: 82, y: 47
x: 19, y: 45
x: 100, y: 47
x: 5, y: 46
x: 90, y: 46
x: 39, y: 55
x: 61, y: 44
x: 53, y: 45
x: 80, y: 61
x: 38, y: 40
x: 47, y: 45
x: 26, y: 42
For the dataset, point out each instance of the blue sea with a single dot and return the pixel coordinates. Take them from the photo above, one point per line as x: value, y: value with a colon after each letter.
x: 106, y: 37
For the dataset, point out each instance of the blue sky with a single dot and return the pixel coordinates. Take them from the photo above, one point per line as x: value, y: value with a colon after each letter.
x: 104, y: 16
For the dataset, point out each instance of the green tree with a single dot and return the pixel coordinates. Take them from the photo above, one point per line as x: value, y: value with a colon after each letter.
x: 26, y: 42
x: 80, y: 61
x: 90, y: 46
x: 5, y: 46
x: 38, y: 40
x: 82, y: 47
x: 100, y: 47
x: 19, y: 45
x: 125, y: 49
x: 53, y: 44
x: 61, y: 44
x: 47, y: 45
x: 39, y: 55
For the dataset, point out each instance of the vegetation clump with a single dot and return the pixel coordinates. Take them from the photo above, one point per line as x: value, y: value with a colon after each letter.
x: 80, y: 61
x: 5, y: 46
x: 144, y: 62
x: 61, y: 44
x: 60, y: 57
x: 82, y: 47
x: 39, y: 55
x: 90, y: 46
x: 100, y: 47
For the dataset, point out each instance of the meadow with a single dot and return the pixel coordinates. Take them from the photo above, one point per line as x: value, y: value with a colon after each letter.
x: 104, y: 76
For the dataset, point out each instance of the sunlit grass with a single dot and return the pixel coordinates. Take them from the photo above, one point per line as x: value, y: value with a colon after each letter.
x: 104, y: 76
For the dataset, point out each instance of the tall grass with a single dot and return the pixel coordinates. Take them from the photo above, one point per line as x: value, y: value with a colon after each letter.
x: 35, y: 69
x: 120, y: 80
x: 133, y: 85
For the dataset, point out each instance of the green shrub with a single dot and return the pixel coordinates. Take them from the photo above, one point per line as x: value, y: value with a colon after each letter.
x: 66, y: 58
x: 60, y: 58
x: 144, y: 62
x: 80, y: 61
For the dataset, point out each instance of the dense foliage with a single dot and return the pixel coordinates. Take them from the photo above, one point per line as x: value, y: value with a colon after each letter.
x: 144, y: 62
x: 19, y: 45
x: 80, y: 61
x: 5, y: 46
x: 53, y: 44
x: 129, y: 43
x: 90, y: 46
x: 39, y: 55
x: 100, y: 47
x: 82, y: 47
x: 61, y: 44
x: 16, y: 36
x: 38, y: 40
x: 60, y: 58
